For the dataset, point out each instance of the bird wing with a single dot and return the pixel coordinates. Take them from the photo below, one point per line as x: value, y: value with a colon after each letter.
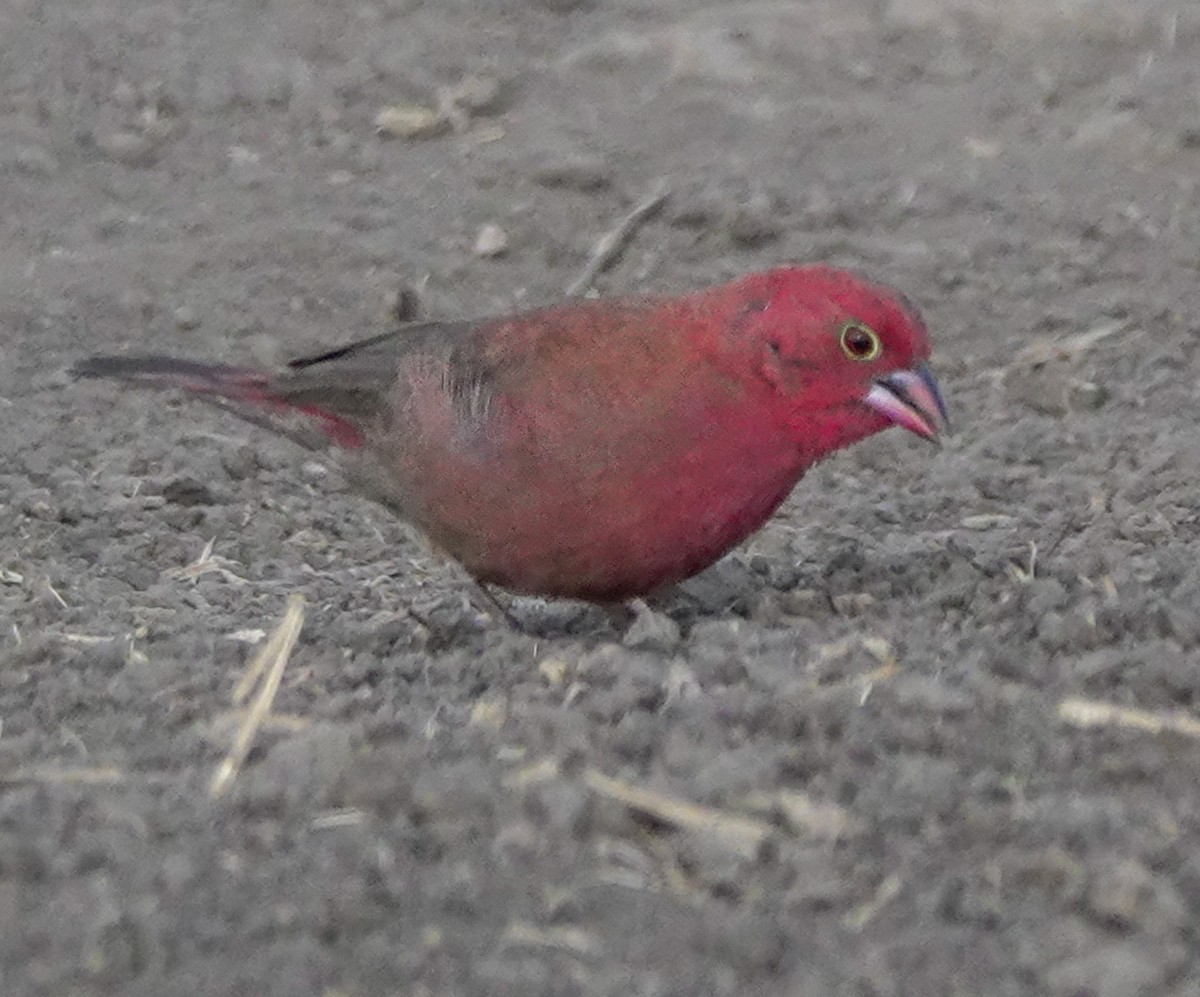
x: 355, y: 381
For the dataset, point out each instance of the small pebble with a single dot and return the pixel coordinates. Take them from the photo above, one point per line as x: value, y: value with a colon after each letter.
x: 651, y: 631
x: 754, y: 222
x: 127, y: 148
x: 1087, y: 396
x: 239, y: 463
x: 478, y: 95
x: 491, y: 241
x: 853, y: 603
x: 186, y: 318
x: 409, y: 121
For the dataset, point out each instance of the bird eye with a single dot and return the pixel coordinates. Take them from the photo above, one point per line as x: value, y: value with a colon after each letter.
x: 859, y: 342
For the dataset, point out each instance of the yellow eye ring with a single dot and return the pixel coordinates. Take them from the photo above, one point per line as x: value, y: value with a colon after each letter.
x: 859, y: 343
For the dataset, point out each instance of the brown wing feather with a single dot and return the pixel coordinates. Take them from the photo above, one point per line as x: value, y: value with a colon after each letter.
x: 355, y: 381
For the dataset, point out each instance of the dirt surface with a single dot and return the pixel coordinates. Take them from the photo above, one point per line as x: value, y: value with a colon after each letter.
x: 852, y: 761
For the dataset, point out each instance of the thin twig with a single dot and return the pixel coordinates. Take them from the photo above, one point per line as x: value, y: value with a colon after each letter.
x: 610, y: 245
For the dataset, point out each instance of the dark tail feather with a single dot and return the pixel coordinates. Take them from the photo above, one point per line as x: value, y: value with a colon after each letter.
x: 168, y: 372
x: 240, y: 385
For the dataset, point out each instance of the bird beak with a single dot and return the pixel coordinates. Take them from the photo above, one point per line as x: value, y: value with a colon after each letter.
x: 910, y: 398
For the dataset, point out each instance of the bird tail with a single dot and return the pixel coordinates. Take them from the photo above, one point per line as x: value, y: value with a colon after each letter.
x: 238, y: 383
x: 247, y: 390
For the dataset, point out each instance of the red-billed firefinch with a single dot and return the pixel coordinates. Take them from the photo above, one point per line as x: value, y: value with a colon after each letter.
x: 600, y: 449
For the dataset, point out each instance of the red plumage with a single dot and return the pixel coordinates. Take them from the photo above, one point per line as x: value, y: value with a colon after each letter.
x: 601, y: 449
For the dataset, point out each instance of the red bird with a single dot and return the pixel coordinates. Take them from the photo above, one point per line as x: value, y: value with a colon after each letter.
x: 599, y: 449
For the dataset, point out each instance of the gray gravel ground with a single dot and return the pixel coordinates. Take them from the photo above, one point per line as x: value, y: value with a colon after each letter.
x: 933, y: 731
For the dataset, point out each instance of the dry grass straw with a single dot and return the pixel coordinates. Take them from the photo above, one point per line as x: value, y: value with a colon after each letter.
x: 742, y: 835
x: 1095, y: 713
x: 265, y: 673
x: 81, y: 776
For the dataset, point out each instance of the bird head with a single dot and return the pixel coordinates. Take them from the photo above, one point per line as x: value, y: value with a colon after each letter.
x: 844, y: 357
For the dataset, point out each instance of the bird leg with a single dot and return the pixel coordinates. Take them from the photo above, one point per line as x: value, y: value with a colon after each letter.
x: 491, y: 602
